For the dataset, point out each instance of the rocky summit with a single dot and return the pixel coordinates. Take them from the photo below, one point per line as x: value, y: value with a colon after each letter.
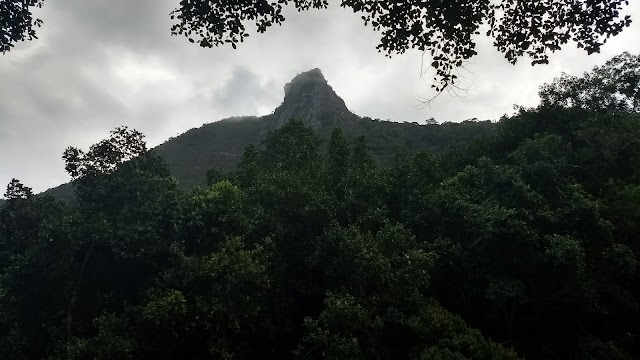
x: 309, y: 97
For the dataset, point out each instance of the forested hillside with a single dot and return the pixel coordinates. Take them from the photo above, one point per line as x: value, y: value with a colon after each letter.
x: 309, y: 98
x: 522, y: 244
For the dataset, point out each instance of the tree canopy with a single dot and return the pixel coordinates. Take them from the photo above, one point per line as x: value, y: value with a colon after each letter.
x: 614, y: 86
x: 17, y: 22
x: 444, y: 30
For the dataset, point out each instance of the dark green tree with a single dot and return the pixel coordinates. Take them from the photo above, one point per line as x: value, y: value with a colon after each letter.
x: 126, y: 199
x: 337, y: 163
x: 17, y: 22
x: 36, y: 252
x: 614, y: 86
x: 375, y: 304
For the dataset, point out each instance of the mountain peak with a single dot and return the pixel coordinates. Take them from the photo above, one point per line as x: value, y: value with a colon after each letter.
x: 310, y: 98
x: 305, y: 78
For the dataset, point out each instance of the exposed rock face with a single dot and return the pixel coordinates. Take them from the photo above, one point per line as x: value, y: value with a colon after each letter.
x: 309, y: 97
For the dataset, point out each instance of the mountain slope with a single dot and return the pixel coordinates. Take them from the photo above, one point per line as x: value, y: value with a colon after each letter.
x: 310, y: 98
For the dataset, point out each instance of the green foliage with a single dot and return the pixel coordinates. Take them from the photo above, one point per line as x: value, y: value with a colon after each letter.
x: 206, y: 216
x: 17, y: 22
x: 294, y: 147
x: 106, y: 156
x: 613, y: 86
x: 221, y: 146
x: 446, y: 336
x: 209, y: 305
x: 111, y: 341
x: 377, y: 308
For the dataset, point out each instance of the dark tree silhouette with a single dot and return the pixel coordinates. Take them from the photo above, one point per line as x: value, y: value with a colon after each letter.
x: 614, y: 86
x: 444, y: 30
x: 17, y: 22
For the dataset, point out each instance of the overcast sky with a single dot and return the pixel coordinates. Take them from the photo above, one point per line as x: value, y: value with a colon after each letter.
x: 104, y: 63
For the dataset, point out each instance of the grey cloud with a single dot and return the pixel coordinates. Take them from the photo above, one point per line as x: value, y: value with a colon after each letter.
x: 243, y: 93
x: 143, y: 25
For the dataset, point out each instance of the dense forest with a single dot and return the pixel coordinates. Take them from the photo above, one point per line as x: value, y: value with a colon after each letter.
x: 523, y: 243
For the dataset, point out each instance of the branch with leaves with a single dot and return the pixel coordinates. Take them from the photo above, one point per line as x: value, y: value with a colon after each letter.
x: 445, y: 30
